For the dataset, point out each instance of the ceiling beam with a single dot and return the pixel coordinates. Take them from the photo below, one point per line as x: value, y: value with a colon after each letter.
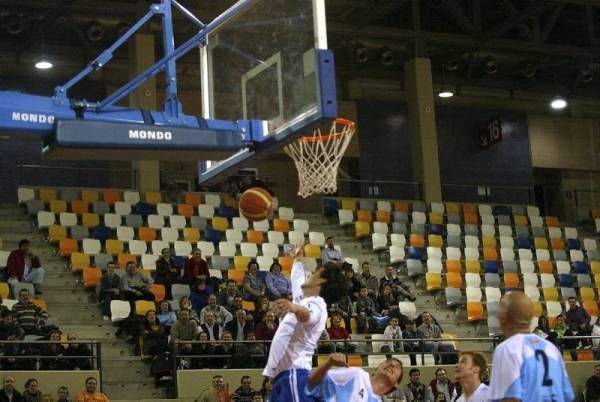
x: 379, y: 11
x: 477, y: 15
x: 459, y: 14
x: 512, y: 12
x: 591, y: 26
x: 552, y: 20
x: 502, y: 28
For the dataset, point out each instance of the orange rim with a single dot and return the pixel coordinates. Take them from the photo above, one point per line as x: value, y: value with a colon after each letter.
x: 341, y: 121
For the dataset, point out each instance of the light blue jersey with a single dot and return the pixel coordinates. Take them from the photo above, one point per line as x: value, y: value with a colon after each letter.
x: 350, y: 384
x: 529, y: 368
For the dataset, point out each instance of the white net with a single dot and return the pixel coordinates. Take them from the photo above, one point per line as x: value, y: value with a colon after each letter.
x: 318, y: 157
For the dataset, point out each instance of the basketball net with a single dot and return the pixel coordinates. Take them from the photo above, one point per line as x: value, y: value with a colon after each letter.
x: 318, y: 157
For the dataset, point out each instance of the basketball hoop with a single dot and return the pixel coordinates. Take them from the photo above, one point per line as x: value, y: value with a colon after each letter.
x: 318, y: 157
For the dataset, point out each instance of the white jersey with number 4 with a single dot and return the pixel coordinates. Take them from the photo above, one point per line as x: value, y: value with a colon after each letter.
x: 350, y: 384
x: 529, y: 368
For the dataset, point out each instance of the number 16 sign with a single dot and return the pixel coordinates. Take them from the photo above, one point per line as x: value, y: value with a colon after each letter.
x: 490, y: 133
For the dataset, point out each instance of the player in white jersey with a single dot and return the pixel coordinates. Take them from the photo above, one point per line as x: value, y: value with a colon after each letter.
x: 352, y: 384
x: 526, y: 367
x: 468, y: 372
x: 294, y: 343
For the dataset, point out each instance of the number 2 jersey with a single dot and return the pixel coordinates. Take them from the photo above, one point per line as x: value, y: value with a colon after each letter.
x: 350, y: 384
x: 529, y: 368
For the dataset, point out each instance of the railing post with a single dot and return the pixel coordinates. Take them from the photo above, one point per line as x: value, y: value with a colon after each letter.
x: 175, y: 355
x: 99, y: 361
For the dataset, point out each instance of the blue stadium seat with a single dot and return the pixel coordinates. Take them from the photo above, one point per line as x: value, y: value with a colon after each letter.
x: 330, y: 207
x: 226, y: 212
x: 436, y: 229
x: 566, y: 280
x: 524, y: 242
x: 573, y: 244
x: 415, y: 253
x: 501, y: 210
x: 101, y: 233
x: 144, y: 209
x: 491, y: 267
x: 212, y: 236
x: 581, y: 267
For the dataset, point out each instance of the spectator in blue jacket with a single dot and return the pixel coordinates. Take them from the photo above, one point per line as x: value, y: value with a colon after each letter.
x: 278, y: 286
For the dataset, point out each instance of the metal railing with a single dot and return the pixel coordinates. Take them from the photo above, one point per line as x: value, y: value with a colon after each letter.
x: 68, y: 176
x: 378, y: 189
x: 482, y: 193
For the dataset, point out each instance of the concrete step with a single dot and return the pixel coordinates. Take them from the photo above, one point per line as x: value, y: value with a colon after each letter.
x: 74, y: 312
x: 90, y: 331
x: 134, y: 389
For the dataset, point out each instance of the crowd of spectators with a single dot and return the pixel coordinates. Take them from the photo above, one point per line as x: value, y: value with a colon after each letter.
x: 32, y: 393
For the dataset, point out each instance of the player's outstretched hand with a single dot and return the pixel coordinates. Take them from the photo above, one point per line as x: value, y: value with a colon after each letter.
x: 298, y: 251
x: 338, y: 360
x: 283, y: 306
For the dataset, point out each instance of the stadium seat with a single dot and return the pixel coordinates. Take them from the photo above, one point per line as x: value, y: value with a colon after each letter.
x: 114, y: 247
x: 149, y: 261
x: 137, y: 247
x: 146, y: 234
x: 261, y: 226
x: 191, y: 235
x: 474, y: 311
x: 47, y: 194
x: 249, y: 249
x: 286, y: 263
x: 532, y: 292
x: 361, y: 229
x: 473, y: 266
x: 79, y: 261
x: 125, y: 233
x: 545, y: 267
x: 471, y: 241
x: 270, y: 250
x: 286, y: 213
x: 45, y: 219
x: 158, y: 291
x: 234, y: 236
x: 91, y: 277
x: 576, y: 255
x: 56, y: 233
x: 348, y: 204
x: 177, y: 221
x: 434, y: 253
x: 34, y: 206
x: 254, y: 236
x: 100, y: 207
x: 434, y: 265
x: 123, y: 259
x: 346, y: 217
x: 79, y: 206
x: 143, y: 306
x: 198, y: 222
x: 207, y: 248
x: 550, y: 294
x: 397, y: 254
x: 156, y: 221
x: 454, y: 280
x: 90, y: 220
x: 511, y: 280
x: 490, y: 254
x: 67, y: 246
x: 227, y: 249
x: 25, y: 194
x: 453, y: 266
x: 433, y: 281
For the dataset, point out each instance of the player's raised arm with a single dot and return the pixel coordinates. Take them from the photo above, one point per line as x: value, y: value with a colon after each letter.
x: 318, y: 374
x: 298, y: 275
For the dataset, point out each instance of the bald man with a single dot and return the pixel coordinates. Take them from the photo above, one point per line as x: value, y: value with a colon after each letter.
x: 526, y: 367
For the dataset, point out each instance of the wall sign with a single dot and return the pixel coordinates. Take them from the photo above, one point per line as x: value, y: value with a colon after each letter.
x: 490, y: 133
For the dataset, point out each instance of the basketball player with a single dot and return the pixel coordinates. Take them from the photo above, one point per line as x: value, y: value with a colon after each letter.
x: 526, y: 367
x: 353, y: 384
x: 294, y: 343
x: 468, y: 372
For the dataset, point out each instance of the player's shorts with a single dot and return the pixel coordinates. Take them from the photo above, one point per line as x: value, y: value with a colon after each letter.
x: 289, y: 386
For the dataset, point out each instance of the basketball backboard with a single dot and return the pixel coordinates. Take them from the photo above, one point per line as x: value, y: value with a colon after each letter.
x: 269, y: 62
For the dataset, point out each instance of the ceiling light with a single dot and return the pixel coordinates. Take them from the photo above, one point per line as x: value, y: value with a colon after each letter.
x: 446, y: 93
x: 490, y: 66
x: 558, y: 103
x: 44, y: 64
x: 387, y: 57
x: 361, y: 54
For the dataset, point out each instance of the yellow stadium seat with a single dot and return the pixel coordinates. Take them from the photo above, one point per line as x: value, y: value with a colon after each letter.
x: 474, y: 311
x: 58, y: 206
x: 597, y: 280
x: 591, y: 307
x: 90, y: 220
x: 143, y: 306
x: 541, y: 243
x: 435, y: 241
x: 79, y: 261
x: 453, y: 266
x: 489, y: 241
x: 241, y: 262
x: 361, y: 229
x: 237, y: 275
x: 363, y: 215
x: 473, y: 266
x: 153, y: 197
x: 255, y: 236
x: 436, y: 218
x: 79, y: 206
x: 230, y: 201
x: 89, y: 195
x: 595, y: 266
x: 114, y: 247
x: 193, y: 199
x: 520, y: 220
x: 349, y: 204
x: 538, y: 310
x: 67, y: 246
x: 312, y: 251
x: 48, y: 194
x: 490, y: 254
x: 433, y: 281
x: 191, y: 234
x: 158, y: 291
x: 185, y: 210
x: 111, y: 196
x: 91, y: 277
x: 220, y: 223
x: 550, y: 294
x: 57, y: 233
x: 382, y: 216
x: 123, y: 259
x: 454, y: 280
x: 281, y: 225
x: 417, y: 240
x: 4, y: 290
x: 587, y: 294
x: 146, y: 234
x: 354, y: 360
x: 452, y: 208
x: 353, y: 325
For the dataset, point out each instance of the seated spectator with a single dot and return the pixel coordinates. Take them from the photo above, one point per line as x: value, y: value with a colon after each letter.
x: 345, y: 308
x: 47, y: 398
x: 253, y: 286
x: 226, y: 296
x: 543, y: 329
x: 2, y: 306
x: 365, y: 310
x: 166, y: 316
x: 90, y: 393
x: 220, y: 313
x: 578, y: 321
x: 195, y: 268
x: 201, y: 291
x: 186, y: 304
x: 238, y: 303
x: 166, y: 272
x: 184, y: 330
x: 80, y: 353
x: 561, y: 330
x: 245, y: 392
x: 24, y: 266
x: 400, y: 289
x: 29, y: 316
x: 240, y: 326
x: 262, y: 307
x: 353, y: 284
x: 267, y: 387
x: 411, y: 347
x: 135, y: 285
x: 429, y: 333
x: 8, y: 392
x: 225, y: 349
x: 210, y: 326
x: 325, y: 345
x: 202, y: 351
x: 393, y: 335
x: 415, y: 389
x: 10, y: 331
x: 278, y: 286
x: 369, y: 280
x: 441, y: 385
x: 387, y: 301
x: 592, y: 386
x: 53, y: 353
x: 110, y: 284
x: 216, y: 393
x: 62, y: 395
x: 265, y: 330
x: 330, y: 253
x: 340, y: 335
x: 256, y: 350
x: 32, y: 392
x: 154, y: 335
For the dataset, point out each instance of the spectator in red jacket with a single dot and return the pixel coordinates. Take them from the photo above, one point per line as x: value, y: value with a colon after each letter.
x: 24, y: 266
x: 578, y: 320
x: 265, y: 330
x: 338, y: 333
x: 195, y: 268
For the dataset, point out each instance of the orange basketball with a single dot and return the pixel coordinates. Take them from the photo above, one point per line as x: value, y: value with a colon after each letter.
x: 256, y: 204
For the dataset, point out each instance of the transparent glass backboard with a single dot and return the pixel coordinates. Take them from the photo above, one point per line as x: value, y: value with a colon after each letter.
x: 262, y: 63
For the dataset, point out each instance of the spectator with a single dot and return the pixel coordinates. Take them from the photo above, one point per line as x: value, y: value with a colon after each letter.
x: 32, y: 392
x: 561, y: 330
x: 2, y: 306
x: 166, y: 316
x: 174, y: 193
x: 62, y: 395
x: 109, y: 288
x: 225, y: 349
x: 47, y: 398
x: 90, y: 394
x: 543, y: 329
x: 218, y: 392
x: 79, y: 350
x: 226, y: 296
x: 186, y: 304
x: 201, y: 291
x: 345, y: 308
x: 578, y: 321
x: 411, y: 347
x: 365, y: 310
x: 330, y: 253
x: 154, y: 335
x: 267, y: 386
x: 29, y: 316
x: 440, y: 397
x: 429, y: 333
x: 202, y: 350
x: 393, y: 335
x: 368, y: 280
x: 240, y: 326
x: 339, y: 333
x: 238, y: 303
x: 592, y: 386
x: 399, y: 288
x: 469, y: 372
x: 10, y: 331
x: 53, y: 353
x: 278, y: 286
x: 210, y: 326
x: 195, y: 268
x: 262, y: 307
x: 265, y: 330
x: 253, y: 285
x: 256, y: 350
x: 415, y: 389
x: 387, y: 301
x: 220, y: 313
x: 353, y: 284
x: 325, y: 345
x: 8, y: 393
x: 245, y: 392
x: 441, y: 384
x: 135, y: 285
x: 23, y: 266
x: 166, y: 272
x: 184, y: 330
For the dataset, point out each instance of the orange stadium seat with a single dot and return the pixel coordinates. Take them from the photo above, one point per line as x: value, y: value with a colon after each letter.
x: 286, y: 263
x: 281, y: 225
x: 254, y: 236
x: 91, y: 277
x: 237, y: 275
x: 490, y: 254
x: 67, y: 246
x: 248, y: 305
x: 453, y: 266
x: 40, y: 303
x: 591, y: 307
x: 545, y: 267
x: 363, y: 215
x: 146, y: 234
x: 382, y: 216
x: 417, y: 240
x: 123, y: 259
x: 158, y: 291
x: 401, y: 206
x: 193, y: 199
x: 471, y: 218
x: 557, y: 244
x: 354, y: 360
x: 552, y: 221
x: 474, y: 311
x: 469, y: 209
x: 511, y: 280
x: 111, y: 196
x: 79, y: 206
x: 185, y: 210
x: 454, y: 280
